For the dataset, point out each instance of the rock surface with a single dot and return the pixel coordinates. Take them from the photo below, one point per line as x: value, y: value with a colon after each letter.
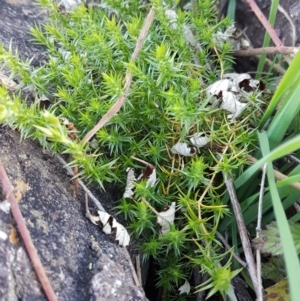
x: 81, y: 262
x: 16, y: 18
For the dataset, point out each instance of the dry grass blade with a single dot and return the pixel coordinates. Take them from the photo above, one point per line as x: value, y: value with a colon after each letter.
x: 128, y: 79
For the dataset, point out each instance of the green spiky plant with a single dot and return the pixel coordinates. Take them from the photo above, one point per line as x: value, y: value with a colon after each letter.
x: 89, y: 52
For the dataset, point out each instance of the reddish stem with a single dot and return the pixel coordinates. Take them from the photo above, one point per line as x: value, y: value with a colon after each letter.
x: 15, y: 210
x: 265, y: 23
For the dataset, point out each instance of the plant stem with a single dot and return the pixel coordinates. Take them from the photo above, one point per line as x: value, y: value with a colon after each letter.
x: 228, y: 247
x: 251, y: 267
x: 278, y: 175
x: 266, y: 50
x: 31, y: 250
x: 258, y: 230
x: 265, y: 23
x: 86, y: 190
x: 128, y: 79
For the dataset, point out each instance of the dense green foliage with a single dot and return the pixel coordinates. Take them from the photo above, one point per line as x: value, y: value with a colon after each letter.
x: 89, y: 52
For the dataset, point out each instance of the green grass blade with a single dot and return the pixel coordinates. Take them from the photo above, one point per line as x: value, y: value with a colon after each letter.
x: 266, y: 43
x: 282, y: 150
x: 288, y: 181
x: 286, y: 203
x: 295, y: 218
x: 284, y: 117
x: 231, y: 9
x: 290, y: 77
x: 289, y: 250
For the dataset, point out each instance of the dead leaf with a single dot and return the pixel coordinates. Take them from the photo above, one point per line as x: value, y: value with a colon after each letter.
x: 13, y: 236
x: 109, y: 225
x: 199, y: 139
x: 278, y: 292
x: 231, y: 104
x: 43, y: 101
x: 185, y: 288
x: 5, y: 206
x: 8, y: 83
x: 149, y: 174
x: 70, y: 5
x: 131, y: 179
x: 232, y: 36
x: 3, y: 235
x: 166, y: 218
x: 181, y: 148
x: 242, y: 81
x: 269, y: 240
x: 214, y: 91
x: 228, y: 92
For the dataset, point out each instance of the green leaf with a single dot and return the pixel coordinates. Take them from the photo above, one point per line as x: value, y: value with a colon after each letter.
x: 290, y: 78
x: 288, y: 110
x: 282, y: 150
x: 269, y: 240
x: 278, y: 292
x: 273, y: 269
x: 288, y: 246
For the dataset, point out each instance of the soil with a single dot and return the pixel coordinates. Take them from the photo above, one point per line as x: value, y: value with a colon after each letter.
x: 254, y: 30
x: 81, y: 262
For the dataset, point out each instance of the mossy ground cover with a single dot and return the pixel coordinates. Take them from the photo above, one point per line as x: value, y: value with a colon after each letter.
x: 89, y: 53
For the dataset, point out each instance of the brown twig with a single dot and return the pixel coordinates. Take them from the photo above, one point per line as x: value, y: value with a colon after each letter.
x: 277, y: 67
x: 251, y: 266
x: 278, y: 175
x: 266, y: 50
x: 70, y: 171
x: 133, y: 272
x: 75, y: 181
x: 31, y: 250
x: 228, y: 247
x: 128, y: 79
x: 271, y: 31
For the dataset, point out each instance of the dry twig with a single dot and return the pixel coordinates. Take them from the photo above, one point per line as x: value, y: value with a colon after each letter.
x: 138, y: 267
x: 258, y: 230
x: 228, y: 247
x: 278, y: 175
x: 251, y: 267
x: 271, y: 31
x: 24, y: 233
x: 70, y: 171
x: 266, y: 50
x: 128, y: 79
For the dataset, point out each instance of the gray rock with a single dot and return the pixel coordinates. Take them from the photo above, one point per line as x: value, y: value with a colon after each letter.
x: 81, y: 262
